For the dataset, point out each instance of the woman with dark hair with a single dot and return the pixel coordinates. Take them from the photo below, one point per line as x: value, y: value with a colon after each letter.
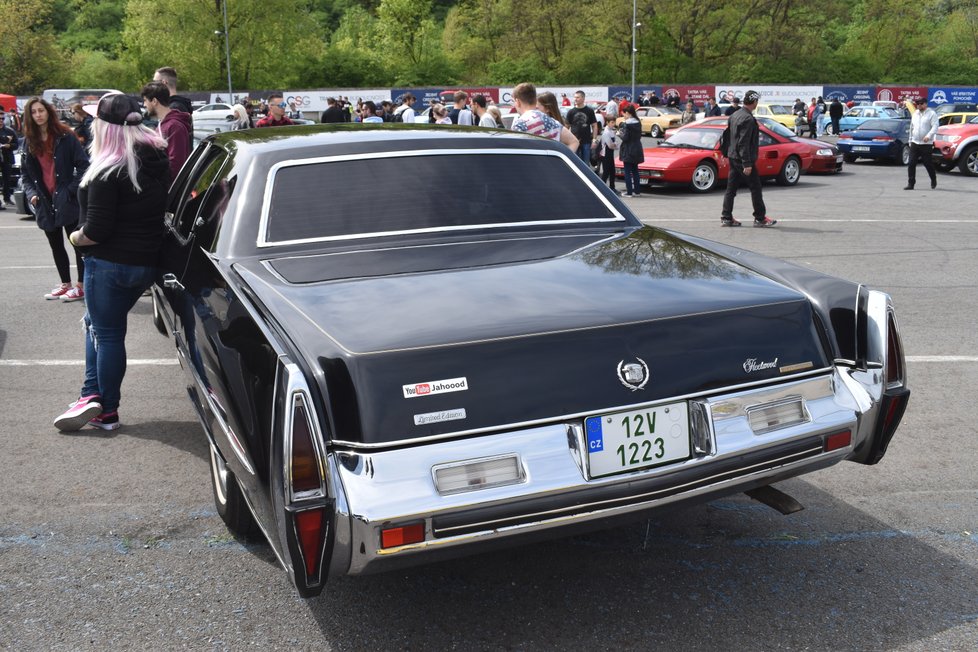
x: 122, y: 196
x: 547, y: 102
x: 630, y: 152
x: 53, y: 164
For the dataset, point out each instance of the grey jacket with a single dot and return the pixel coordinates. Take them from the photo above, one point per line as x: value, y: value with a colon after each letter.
x: 743, y: 138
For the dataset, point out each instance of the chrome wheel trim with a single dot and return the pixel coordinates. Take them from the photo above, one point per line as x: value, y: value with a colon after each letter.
x: 219, y: 476
x: 656, y: 132
x: 704, y: 177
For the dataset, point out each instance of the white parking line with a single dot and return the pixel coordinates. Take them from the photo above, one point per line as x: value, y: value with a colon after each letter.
x: 942, y: 358
x: 153, y: 362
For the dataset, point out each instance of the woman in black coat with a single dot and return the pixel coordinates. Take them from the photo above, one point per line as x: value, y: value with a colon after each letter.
x: 51, y: 169
x: 631, y: 152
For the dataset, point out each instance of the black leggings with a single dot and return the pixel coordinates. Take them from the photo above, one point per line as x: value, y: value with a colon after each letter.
x: 61, y: 255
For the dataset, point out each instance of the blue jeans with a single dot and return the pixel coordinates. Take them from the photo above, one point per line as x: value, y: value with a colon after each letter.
x: 631, y: 179
x: 584, y: 151
x: 111, y: 290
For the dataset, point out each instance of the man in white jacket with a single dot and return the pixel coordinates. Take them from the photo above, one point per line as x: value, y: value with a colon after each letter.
x: 923, y: 128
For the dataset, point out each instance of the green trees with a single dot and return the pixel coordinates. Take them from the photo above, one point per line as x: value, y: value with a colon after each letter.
x: 330, y: 43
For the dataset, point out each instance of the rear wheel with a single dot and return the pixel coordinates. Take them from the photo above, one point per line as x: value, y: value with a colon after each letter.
x: 849, y: 158
x: 229, y: 500
x: 656, y: 131
x: 968, y: 163
x: 790, y: 172
x: 829, y: 130
x: 704, y: 177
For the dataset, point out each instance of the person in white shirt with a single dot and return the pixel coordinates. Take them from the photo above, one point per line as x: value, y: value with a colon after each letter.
x: 480, y: 108
x: 923, y: 128
x: 406, y: 110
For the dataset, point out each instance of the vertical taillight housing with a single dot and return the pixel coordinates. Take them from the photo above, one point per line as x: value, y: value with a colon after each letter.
x: 305, y: 466
x: 896, y: 364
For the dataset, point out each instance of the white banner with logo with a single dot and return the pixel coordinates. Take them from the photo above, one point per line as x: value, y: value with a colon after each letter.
x: 770, y: 94
x: 592, y: 94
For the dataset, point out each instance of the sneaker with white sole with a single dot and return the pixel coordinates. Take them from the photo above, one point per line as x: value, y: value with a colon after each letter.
x: 106, y: 421
x: 79, y: 413
x: 74, y: 294
x: 58, y: 292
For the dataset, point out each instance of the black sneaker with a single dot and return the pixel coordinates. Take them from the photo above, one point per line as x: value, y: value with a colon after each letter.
x: 767, y: 221
x: 909, y: 186
x: 729, y: 221
x: 933, y: 185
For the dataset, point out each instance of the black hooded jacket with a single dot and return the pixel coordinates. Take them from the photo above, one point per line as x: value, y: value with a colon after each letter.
x: 127, y: 225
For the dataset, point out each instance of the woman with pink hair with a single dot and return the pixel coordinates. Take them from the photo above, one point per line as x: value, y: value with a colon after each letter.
x: 122, y: 196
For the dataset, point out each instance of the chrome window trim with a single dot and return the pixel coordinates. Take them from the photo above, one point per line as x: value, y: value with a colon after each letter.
x: 579, y: 415
x: 263, y: 222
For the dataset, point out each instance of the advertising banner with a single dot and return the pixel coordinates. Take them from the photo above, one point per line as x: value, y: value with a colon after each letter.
x: 950, y: 94
x: 591, y: 93
x: 316, y: 100
x: 698, y: 94
x: 770, y: 94
x: 620, y: 93
x: 846, y: 94
x: 422, y: 96
x: 899, y: 93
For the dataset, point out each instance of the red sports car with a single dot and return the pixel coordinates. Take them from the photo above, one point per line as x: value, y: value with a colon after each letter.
x: 691, y: 157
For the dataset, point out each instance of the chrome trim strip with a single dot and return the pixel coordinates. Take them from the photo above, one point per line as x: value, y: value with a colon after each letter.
x: 262, y: 240
x: 298, y: 395
x: 586, y: 507
x: 577, y: 415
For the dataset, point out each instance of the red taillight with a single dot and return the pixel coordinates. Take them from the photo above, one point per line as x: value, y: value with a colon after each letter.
x: 309, y: 525
x: 841, y: 136
x: 400, y: 536
x: 305, y: 463
x: 882, y: 139
x: 838, y: 440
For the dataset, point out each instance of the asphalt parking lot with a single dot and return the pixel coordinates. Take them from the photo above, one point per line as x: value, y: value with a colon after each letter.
x: 109, y: 540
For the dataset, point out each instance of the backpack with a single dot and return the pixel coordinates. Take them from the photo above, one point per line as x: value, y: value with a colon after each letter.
x: 579, y: 127
x: 399, y: 114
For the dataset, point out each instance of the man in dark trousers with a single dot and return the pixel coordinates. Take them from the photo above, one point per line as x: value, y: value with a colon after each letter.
x: 835, y: 113
x: 741, y: 149
x: 8, y: 145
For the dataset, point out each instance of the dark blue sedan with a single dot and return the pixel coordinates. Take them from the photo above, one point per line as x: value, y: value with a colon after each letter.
x: 881, y: 139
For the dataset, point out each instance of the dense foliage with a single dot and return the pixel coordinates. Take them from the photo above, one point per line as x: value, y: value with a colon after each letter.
x: 389, y: 43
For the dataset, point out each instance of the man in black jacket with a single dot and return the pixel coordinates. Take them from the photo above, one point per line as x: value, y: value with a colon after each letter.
x: 741, y: 149
x: 8, y: 145
x: 835, y: 113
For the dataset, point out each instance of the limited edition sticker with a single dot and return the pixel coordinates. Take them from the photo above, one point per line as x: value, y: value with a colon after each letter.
x: 436, y: 387
x: 437, y: 417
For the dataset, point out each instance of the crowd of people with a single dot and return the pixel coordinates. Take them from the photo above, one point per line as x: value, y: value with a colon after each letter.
x: 103, y: 183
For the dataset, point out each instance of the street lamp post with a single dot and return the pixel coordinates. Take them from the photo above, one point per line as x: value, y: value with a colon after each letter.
x: 635, y: 26
x: 227, y: 51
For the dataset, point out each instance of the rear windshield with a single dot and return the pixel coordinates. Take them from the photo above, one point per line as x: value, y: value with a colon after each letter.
x: 880, y: 125
x: 386, y: 195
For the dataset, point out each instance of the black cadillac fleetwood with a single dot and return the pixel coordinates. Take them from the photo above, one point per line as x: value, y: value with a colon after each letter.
x: 405, y: 343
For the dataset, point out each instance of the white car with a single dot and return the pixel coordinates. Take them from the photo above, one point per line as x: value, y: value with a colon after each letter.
x: 213, y: 112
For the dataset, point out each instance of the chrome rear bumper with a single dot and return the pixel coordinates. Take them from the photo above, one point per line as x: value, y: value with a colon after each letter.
x: 733, y: 452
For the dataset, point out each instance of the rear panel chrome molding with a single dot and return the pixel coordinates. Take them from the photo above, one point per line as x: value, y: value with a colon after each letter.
x: 384, y: 489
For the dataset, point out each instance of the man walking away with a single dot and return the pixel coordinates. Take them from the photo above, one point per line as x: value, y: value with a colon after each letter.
x: 405, y: 113
x: 333, y: 113
x: 584, y: 125
x: 168, y: 76
x: 741, y: 149
x: 175, y: 126
x: 923, y: 127
x: 835, y: 114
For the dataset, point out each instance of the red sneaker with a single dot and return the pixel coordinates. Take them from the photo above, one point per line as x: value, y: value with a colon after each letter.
x: 767, y: 221
x: 106, y: 420
x: 58, y: 292
x: 74, y: 294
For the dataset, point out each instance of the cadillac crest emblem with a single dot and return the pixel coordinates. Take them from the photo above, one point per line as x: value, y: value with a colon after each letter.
x: 633, y: 375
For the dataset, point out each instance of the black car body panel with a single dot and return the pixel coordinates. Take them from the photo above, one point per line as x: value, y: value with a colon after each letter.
x: 435, y: 384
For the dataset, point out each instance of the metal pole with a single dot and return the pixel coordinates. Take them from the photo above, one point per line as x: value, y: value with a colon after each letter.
x: 227, y: 52
x: 634, y: 50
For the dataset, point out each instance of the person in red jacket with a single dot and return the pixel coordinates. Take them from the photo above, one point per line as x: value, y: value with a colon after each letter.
x: 175, y: 126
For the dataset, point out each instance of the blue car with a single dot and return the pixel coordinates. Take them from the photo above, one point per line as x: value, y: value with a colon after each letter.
x: 887, y: 138
x: 860, y: 114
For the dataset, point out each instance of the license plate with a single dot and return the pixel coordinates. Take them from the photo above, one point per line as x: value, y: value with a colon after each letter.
x: 637, y: 439
x: 860, y: 148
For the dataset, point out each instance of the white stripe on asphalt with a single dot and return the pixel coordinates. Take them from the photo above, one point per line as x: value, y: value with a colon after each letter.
x: 153, y: 362
x: 942, y: 358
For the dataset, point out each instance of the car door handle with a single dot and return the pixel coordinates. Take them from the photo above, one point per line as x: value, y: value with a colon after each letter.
x: 170, y: 281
